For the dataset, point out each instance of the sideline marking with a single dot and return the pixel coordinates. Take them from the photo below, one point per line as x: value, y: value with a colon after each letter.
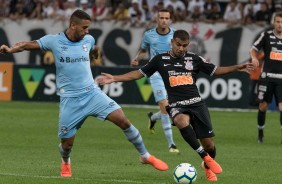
x: 72, y: 178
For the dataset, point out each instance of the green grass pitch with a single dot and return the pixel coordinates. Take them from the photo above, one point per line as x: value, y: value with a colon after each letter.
x: 101, y: 154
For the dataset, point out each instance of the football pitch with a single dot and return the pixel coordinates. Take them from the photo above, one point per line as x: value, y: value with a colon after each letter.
x: 101, y: 154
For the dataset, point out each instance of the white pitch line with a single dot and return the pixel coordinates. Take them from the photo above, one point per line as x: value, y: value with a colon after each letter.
x: 72, y: 178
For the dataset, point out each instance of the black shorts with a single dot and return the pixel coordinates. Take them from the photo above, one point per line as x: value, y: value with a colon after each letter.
x: 266, y: 91
x: 199, y: 118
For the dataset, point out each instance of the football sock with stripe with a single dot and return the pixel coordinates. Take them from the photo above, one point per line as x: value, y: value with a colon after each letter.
x: 166, y: 124
x: 135, y: 138
x: 261, y: 122
x: 156, y: 116
x: 64, y: 153
x: 190, y: 137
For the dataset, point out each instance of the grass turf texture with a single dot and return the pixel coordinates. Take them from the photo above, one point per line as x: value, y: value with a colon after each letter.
x: 101, y: 154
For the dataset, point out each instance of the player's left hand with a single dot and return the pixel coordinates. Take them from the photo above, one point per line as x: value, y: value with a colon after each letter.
x: 105, y: 78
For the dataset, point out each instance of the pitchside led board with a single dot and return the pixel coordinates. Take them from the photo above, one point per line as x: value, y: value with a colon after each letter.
x: 37, y: 83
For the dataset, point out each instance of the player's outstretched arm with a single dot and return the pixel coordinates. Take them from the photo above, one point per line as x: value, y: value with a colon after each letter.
x: 106, y: 78
x: 246, y: 67
x: 19, y: 47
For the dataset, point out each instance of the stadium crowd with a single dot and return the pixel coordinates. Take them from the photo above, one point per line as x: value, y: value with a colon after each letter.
x: 140, y: 13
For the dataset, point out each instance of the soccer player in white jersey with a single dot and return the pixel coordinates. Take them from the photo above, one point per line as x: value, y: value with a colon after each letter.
x: 158, y: 40
x: 80, y: 96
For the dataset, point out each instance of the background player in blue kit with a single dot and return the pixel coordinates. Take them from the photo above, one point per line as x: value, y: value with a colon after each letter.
x: 158, y: 40
x: 80, y: 96
x: 179, y: 70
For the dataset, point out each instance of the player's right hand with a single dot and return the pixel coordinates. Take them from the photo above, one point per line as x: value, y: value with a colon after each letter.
x: 134, y: 62
x: 4, y: 49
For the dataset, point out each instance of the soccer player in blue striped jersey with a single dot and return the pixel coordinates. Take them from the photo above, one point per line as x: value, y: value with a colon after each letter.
x: 80, y: 96
x: 158, y: 40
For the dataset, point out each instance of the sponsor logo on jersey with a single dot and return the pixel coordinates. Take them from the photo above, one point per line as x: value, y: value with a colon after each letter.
x: 180, y: 80
x: 275, y: 54
x: 273, y: 37
x: 165, y: 57
x: 74, y: 60
x: 188, y: 58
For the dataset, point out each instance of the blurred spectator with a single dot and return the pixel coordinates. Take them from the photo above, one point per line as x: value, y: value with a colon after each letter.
x: 84, y: 5
x: 232, y: 15
x: 196, y: 15
x: 100, y: 10
x: 30, y: 6
x: 238, y: 6
x: 212, y: 11
x: 4, y: 9
x: 121, y: 13
x: 38, y: 10
x: 263, y: 16
x: 16, y: 10
x: 249, y: 12
x: 57, y: 13
x: 195, y: 3
x: 177, y: 9
x: 136, y: 14
x: 251, y: 6
x: 47, y: 8
x: 270, y: 5
x: 70, y: 7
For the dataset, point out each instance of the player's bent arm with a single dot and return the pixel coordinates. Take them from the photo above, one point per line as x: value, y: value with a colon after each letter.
x: 254, y: 56
x: 140, y: 55
x: 20, y: 46
x: 246, y: 67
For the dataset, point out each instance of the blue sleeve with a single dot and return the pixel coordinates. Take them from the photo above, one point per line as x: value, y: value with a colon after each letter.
x: 46, y: 42
x: 92, y: 41
x: 145, y: 41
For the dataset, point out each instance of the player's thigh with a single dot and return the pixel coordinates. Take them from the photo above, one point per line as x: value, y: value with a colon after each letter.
x: 278, y: 92
x: 100, y: 105
x: 201, y: 122
x: 265, y: 91
x: 71, y: 116
x: 118, y: 118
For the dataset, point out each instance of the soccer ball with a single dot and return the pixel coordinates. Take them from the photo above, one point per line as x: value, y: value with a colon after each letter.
x: 185, y: 173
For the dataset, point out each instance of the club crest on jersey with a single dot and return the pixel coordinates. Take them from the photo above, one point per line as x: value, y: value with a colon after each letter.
x: 188, y: 65
x: 84, y: 47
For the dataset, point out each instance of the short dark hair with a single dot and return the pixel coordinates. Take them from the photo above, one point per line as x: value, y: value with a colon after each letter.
x: 79, y: 14
x: 181, y: 34
x: 164, y: 11
x: 278, y: 14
